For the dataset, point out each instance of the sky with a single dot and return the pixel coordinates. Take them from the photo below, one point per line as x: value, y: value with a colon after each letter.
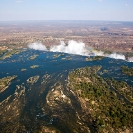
x: 110, y: 10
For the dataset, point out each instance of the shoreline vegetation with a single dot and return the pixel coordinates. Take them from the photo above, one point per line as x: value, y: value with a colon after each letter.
x: 94, y: 58
x: 23, y: 69
x: 5, y: 82
x: 33, y: 57
x: 8, y: 53
x: 109, y: 112
x: 127, y: 71
x: 34, y: 66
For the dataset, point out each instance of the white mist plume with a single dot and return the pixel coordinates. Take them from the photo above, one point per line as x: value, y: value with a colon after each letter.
x: 37, y: 46
x: 73, y: 47
x: 116, y: 56
x: 79, y: 48
x: 130, y: 59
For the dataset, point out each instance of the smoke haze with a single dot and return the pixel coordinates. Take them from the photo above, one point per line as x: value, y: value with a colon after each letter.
x: 78, y: 48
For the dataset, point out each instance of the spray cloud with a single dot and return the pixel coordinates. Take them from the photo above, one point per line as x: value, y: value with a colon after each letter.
x: 37, y: 46
x: 130, y: 59
x: 78, y: 48
x: 73, y: 47
x: 116, y: 56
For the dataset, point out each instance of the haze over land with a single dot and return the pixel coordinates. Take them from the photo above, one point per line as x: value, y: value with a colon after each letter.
x: 101, y: 35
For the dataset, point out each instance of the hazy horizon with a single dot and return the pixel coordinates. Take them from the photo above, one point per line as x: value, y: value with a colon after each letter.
x: 66, y: 20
